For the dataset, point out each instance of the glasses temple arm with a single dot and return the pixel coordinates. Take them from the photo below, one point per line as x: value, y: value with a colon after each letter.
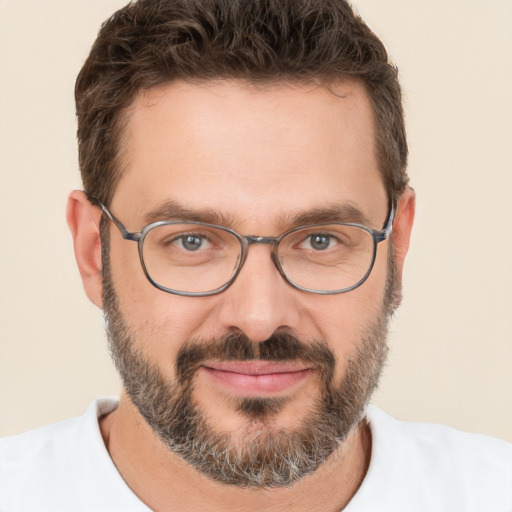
x: 388, y: 225
x: 127, y: 235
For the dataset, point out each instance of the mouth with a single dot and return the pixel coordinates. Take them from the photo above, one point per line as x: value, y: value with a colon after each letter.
x: 257, y: 378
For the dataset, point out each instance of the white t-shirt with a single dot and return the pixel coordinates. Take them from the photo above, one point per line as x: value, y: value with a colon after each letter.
x: 414, y: 467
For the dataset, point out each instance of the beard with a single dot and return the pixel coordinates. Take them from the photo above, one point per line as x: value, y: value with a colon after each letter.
x: 267, y: 456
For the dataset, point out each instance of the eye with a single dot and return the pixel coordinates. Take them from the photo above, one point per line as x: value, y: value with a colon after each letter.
x: 191, y: 242
x: 319, y: 241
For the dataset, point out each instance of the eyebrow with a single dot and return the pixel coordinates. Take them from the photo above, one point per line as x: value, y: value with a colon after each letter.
x: 171, y: 210
x: 346, y: 212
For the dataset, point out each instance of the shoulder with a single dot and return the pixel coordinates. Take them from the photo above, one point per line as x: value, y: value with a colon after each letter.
x: 439, y: 446
x: 59, y: 464
x: 28, y: 446
x: 437, y: 466
x: 52, y: 441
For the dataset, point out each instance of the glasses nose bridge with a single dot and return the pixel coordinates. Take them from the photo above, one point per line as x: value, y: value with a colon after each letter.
x: 261, y: 240
x: 264, y: 240
x: 273, y: 241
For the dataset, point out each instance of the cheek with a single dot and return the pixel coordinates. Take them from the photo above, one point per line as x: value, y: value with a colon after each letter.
x: 343, y: 320
x: 159, y: 322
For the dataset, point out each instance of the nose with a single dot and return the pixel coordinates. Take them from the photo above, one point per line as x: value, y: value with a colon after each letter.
x: 260, y: 301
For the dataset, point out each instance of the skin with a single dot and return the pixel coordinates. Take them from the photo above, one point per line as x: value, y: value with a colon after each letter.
x: 257, y: 157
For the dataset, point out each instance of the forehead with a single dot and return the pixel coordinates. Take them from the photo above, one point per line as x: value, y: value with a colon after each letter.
x: 250, y: 151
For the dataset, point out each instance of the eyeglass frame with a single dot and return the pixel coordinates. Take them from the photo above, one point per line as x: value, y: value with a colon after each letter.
x: 377, y: 235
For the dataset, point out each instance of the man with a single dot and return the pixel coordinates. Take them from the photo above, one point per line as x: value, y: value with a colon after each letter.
x: 244, y: 225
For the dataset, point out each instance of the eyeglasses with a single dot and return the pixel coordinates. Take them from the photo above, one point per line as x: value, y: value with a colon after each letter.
x: 199, y: 259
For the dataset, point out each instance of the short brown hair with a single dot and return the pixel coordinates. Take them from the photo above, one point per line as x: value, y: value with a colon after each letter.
x: 151, y: 42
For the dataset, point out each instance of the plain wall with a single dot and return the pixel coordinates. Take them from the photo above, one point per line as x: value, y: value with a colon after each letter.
x: 451, y: 342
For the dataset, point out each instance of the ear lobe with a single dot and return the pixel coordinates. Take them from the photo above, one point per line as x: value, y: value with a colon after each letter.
x: 83, y: 221
x: 402, y: 227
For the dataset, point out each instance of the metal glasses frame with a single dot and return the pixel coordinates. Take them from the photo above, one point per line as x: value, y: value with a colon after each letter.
x: 378, y: 236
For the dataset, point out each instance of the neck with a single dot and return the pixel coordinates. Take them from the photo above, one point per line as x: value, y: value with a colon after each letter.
x: 163, y: 481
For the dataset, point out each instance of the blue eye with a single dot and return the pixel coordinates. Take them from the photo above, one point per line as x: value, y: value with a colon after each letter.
x: 190, y: 242
x: 320, y: 242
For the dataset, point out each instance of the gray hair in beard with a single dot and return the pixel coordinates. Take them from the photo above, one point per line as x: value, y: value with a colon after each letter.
x: 269, y: 457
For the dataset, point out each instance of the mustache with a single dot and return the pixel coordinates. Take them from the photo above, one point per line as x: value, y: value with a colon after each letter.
x: 283, y: 345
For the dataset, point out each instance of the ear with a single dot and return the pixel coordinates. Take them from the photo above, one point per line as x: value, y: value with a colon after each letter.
x: 83, y: 221
x: 402, y: 227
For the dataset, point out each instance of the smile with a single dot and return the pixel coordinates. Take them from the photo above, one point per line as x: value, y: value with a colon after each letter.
x: 254, y: 378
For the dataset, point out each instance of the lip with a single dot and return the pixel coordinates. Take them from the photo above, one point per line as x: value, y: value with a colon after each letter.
x: 257, y: 378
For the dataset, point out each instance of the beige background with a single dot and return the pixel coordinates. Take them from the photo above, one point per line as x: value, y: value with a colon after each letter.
x: 451, y: 343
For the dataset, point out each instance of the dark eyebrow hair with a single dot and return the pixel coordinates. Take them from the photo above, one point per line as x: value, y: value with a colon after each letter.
x: 170, y: 210
x: 337, y: 213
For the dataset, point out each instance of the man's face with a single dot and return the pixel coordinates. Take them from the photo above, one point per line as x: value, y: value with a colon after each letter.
x: 262, y: 371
